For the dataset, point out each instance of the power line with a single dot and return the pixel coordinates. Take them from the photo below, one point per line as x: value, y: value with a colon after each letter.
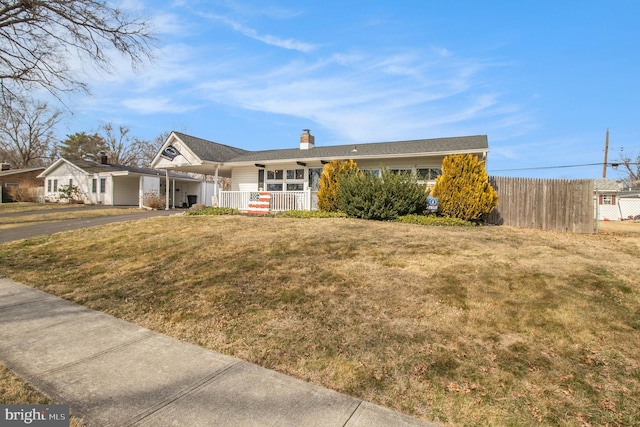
x: 560, y: 167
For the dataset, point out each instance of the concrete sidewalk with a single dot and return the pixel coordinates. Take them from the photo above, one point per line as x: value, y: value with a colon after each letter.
x: 114, y: 373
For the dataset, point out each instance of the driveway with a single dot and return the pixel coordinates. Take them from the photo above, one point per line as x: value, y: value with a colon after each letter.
x: 46, y: 228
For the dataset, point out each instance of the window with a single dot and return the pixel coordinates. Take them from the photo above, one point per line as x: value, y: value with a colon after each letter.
x: 607, y: 199
x: 428, y: 174
x: 55, y: 185
x: 103, y: 185
x: 280, y: 179
x: 94, y: 185
x: 295, y: 174
x: 70, y: 182
x: 314, y: 178
x: 260, y: 179
x: 275, y: 174
x: 48, y: 186
x: 275, y: 179
x: 402, y: 171
x: 295, y: 187
x: 372, y: 172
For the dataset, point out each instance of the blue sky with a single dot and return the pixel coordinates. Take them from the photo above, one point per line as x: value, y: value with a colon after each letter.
x: 544, y: 80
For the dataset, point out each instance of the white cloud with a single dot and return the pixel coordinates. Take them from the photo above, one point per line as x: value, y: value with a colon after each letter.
x: 359, y: 95
x: 156, y: 105
x: 364, y: 98
x: 271, y: 40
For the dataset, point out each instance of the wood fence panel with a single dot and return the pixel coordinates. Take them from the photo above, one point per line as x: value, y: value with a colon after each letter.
x: 548, y: 204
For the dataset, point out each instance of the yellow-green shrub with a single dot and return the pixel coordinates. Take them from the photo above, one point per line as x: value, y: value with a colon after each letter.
x: 463, y: 189
x: 329, y: 182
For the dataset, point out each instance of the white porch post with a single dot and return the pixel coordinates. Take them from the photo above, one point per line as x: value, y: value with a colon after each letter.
x: 166, y: 189
x: 140, y: 192
x: 203, y: 190
x: 216, y: 185
x: 174, y: 194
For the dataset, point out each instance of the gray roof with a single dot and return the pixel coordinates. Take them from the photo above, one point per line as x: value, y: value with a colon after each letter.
x: 209, y: 150
x: 212, y: 151
x: 19, y: 171
x: 97, y: 167
x: 603, y: 184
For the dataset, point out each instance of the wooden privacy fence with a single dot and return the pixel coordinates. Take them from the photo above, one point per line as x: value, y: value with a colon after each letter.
x: 548, y: 204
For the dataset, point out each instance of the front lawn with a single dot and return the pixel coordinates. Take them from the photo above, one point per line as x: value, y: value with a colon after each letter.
x: 462, y: 326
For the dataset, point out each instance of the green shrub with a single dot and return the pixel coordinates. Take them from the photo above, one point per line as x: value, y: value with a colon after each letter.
x: 213, y: 211
x: 463, y: 189
x: 329, y: 183
x: 311, y: 214
x: 366, y: 196
x: 435, y: 220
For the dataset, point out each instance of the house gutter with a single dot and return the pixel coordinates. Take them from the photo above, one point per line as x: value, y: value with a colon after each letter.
x: 481, y: 153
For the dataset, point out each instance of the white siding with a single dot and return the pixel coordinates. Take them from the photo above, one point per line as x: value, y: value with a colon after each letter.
x: 609, y: 212
x: 125, y: 190
x: 244, y: 179
x: 629, y: 207
x: 404, y: 163
x: 63, y: 174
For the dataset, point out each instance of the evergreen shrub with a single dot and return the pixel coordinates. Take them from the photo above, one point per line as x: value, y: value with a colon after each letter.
x: 329, y: 183
x: 463, y: 189
x: 384, y: 198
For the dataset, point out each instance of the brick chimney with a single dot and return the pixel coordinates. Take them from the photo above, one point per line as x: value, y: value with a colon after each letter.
x: 103, y: 158
x: 307, y: 140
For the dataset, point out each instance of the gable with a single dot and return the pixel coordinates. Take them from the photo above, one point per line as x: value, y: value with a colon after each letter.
x: 175, y: 153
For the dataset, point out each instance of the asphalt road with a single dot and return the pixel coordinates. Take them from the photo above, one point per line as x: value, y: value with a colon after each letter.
x: 46, y: 228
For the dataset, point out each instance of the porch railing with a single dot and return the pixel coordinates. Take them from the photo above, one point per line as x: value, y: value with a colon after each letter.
x: 280, y: 200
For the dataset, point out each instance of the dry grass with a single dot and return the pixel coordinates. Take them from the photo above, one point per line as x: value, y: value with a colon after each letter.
x: 620, y: 227
x: 15, y: 391
x: 480, y: 326
x: 25, y: 206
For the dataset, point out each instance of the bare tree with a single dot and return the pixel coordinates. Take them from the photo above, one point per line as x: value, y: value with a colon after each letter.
x: 26, y: 133
x: 152, y: 148
x: 37, y: 38
x: 631, y: 168
x: 122, y: 148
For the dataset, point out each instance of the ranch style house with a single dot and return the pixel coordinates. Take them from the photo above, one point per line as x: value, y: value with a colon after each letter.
x: 291, y: 175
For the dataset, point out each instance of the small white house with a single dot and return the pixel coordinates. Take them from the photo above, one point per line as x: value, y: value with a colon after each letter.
x: 292, y: 175
x: 120, y: 185
x: 613, y: 203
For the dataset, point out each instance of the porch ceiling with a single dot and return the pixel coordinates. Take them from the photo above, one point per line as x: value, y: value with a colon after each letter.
x: 204, y: 169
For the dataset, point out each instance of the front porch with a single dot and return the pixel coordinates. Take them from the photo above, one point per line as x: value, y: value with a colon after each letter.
x: 280, y: 200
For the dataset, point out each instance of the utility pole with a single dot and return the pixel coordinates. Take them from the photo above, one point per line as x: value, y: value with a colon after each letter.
x: 606, y: 152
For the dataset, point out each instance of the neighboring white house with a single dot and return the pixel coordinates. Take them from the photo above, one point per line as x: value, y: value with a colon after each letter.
x: 119, y: 185
x: 613, y: 203
x: 292, y: 175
